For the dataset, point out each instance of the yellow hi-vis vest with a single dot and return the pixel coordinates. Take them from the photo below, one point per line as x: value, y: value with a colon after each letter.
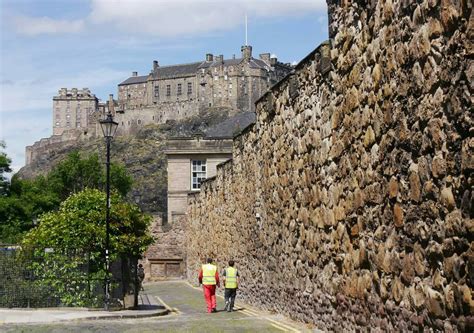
x: 209, y: 274
x: 230, y: 278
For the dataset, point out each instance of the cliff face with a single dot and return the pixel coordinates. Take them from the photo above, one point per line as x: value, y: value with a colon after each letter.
x: 141, y: 154
x: 349, y: 203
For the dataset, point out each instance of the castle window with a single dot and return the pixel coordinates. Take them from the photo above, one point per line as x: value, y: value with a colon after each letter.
x: 215, y: 78
x: 225, y: 77
x: 168, y: 90
x: 57, y: 123
x: 190, y: 88
x: 78, y: 124
x: 157, y: 92
x: 198, y: 173
x: 179, y: 89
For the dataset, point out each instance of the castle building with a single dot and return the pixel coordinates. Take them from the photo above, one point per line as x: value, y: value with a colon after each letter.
x: 73, y: 109
x: 178, y: 91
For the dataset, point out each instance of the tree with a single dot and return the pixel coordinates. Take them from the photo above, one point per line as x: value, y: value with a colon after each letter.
x: 75, y: 235
x: 27, y: 199
x: 5, y: 162
x: 75, y: 174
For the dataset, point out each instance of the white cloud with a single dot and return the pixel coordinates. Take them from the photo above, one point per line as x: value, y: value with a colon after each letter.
x: 190, y: 17
x: 33, y: 26
x: 168, y: 18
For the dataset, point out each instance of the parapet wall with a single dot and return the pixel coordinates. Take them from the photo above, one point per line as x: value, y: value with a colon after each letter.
x: 349, y: 203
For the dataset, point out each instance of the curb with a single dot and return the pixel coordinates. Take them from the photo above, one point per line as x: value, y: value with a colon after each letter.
x: 124, y: 316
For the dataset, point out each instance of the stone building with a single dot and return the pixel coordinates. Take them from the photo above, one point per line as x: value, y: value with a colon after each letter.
x: 74, y: 109
x: 178, y: 91
x: 190, y: 161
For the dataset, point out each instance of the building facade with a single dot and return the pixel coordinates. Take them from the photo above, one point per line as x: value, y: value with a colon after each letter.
x: 74, y: 109
x: 179, y: 91
x: 190, y: 161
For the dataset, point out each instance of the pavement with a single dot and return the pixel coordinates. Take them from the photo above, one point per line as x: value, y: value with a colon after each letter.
x: 147, y: 307
x: 168, y: 306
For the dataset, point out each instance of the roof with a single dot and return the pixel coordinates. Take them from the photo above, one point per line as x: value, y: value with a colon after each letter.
x: 167, y: 72
x: 164, y: 72
x: 227, y: 62
x: 231, y: 126
x: 134, y: 80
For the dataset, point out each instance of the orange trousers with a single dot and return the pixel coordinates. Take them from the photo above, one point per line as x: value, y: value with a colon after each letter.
x: 210, y: 296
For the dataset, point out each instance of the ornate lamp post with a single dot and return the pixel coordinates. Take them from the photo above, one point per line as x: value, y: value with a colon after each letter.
x: 109, y: 127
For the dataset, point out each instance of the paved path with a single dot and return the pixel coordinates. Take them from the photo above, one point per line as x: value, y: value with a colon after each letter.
x: 188, y: 314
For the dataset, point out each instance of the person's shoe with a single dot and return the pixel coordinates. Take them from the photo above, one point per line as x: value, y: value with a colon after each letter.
x: 213, y: 310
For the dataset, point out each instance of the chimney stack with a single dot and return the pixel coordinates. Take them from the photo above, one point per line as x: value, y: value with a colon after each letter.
x: 246, y: 52
x: 134, y: 74
x: 209, y: 57
x: 111, y: 103
x: 265, y: 57
x: 220, y: 59
x: 155, y: 65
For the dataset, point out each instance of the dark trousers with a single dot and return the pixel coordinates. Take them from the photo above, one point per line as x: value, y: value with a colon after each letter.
x: 229, y: 296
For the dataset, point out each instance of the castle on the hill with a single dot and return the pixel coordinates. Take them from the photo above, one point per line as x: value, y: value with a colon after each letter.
x: 172, y: 93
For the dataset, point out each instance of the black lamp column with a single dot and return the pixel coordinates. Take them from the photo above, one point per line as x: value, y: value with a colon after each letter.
x: 109, y: 126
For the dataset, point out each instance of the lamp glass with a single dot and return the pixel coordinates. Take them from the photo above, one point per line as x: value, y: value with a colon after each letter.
x: 109, y: 126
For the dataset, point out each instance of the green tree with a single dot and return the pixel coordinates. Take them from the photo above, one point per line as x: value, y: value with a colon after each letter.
x: 5, y: 162
x: 25, y: 200
x: 75, y: 174
x: 76, y: 235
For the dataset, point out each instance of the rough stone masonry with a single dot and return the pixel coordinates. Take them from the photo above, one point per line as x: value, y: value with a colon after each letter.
x: 349, y: 203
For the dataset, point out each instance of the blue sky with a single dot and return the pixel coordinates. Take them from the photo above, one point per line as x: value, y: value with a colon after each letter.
x: 49, y: 44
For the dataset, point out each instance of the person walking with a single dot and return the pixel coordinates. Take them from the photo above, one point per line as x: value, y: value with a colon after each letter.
x: 209, y: 278
x: 231, y: 283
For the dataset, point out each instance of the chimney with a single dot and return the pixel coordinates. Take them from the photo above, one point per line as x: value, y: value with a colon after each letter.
x: 134, y: 74
x: 111, y: 103
x: 273, y: 61
x: 74, y: 91
x: 265, y: 57
x: 209, y: 57
x: 220, y: 59
x: 155, y: 65
x: 246, y: 52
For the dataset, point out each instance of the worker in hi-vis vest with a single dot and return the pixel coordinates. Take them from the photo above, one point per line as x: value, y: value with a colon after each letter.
x: 209, y: 278
x: 231, y: 283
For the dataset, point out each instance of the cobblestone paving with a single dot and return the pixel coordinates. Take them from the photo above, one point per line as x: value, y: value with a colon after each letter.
x: 189, y: 315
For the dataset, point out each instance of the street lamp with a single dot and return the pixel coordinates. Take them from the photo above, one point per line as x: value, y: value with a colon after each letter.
x: 109, y: 127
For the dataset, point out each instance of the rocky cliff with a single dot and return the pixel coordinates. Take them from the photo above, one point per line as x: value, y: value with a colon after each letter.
x: 141, y: 153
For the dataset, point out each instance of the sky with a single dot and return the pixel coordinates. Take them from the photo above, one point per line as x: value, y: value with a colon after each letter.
x: 46, y: 45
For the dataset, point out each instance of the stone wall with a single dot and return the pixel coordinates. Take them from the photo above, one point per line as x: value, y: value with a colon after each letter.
x: 166, y: 257
x: 349, y: 203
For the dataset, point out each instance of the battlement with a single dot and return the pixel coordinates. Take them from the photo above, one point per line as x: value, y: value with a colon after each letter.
x: 74, y: 93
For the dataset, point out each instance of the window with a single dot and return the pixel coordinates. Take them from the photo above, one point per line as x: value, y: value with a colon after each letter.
x: 190, y: 88
x: 198, y: 173
x: 168, y: 90
x: 179, y: 88
x: 57, y: 123
x: 157, y: 92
